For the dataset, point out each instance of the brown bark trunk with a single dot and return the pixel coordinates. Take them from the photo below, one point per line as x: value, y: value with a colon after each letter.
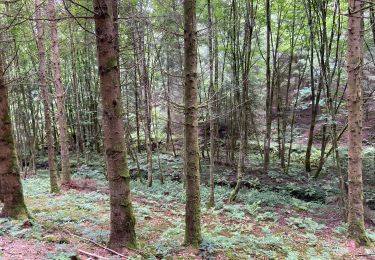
x: 212, y: 108
x: 269, y: 97
x: 193, y: 211
x: 122, y: 219
x: 45, y: 96
x: 356, y: 228
x: 245, y: 111
x: 140, y: 56
x: 11, y: 193
x: 78, y: 133
x: 60, y: 94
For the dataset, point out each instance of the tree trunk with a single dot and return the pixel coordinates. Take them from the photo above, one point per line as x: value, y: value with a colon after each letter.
x: 269, y: 97
x: 245, y: 111
x: 60, y: 94
x: 356, y: 228
x: 45, y: 96
x: 212, y: 108
x: 122, y: 219
x: 146, y: 94
x: 77, y: 107
x: 193, y: 211
x: 11, y: 193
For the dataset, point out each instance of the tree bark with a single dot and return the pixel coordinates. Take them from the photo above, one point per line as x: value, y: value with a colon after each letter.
x: 11, y: 193
x: 244, y: 107
x: 269, y: 97
x: 356, y: 228
x: 45, y: 96
x: 60, y: 94
x: 122, y: 220
x: 77, y: 106
x: 211, y: 107
x: 193, y: 211
x: 145, y: 90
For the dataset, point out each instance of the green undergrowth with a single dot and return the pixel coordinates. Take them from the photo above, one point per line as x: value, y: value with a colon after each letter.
x: 262, y: 224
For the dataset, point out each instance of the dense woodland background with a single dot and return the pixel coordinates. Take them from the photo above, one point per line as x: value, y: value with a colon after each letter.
x: 210, y: 129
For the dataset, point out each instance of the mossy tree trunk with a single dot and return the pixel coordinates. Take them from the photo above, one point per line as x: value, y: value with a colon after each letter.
x: 356, y: 228
x: 11, y: 193
x: 191, y: 166
x: 45, y: 96
x: 122, y: 220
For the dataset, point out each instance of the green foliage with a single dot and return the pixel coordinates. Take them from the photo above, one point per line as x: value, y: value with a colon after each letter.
x: 207, y: 250
x: 143, y: 212
x: 267, y: 216
x: 63, y: 253
x: 305, y: 223
x: 312, y: 191
x: 163, y: 248
x: 341, y: 229
x: 20, y: 229
x: 299, y: 158
x: 241, y: 230
x: 371, y: 235
x: 100, y: 236
x: 91, y: 172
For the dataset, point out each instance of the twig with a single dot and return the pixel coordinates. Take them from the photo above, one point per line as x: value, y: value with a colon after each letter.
x: 92, y: 255
x: 366, y: 254
x: 140, y: 252
x: 97, y: 244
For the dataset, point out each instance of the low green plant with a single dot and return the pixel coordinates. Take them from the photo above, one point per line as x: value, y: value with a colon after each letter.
x: 267, y: 216
x: 305, y: 223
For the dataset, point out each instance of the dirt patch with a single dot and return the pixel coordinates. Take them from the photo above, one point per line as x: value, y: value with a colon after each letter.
x: 14, y: 249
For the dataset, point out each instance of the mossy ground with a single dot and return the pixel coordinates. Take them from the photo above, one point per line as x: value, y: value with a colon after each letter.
x: 262, y: 225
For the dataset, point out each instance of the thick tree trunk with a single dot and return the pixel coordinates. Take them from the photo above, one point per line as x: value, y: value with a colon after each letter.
x: 60, y: 94
x: 193, y: 211
x: 45, y: 96
x: 122, y: 220
x: 356, y: 226
x: 11, y: 193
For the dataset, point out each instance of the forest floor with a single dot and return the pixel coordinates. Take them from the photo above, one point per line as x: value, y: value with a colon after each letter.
x: 266, y: 223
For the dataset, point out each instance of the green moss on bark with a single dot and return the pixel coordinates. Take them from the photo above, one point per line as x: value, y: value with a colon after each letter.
x: 357, y: 232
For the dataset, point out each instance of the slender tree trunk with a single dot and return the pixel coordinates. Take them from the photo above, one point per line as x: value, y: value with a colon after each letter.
x: 356, y: 228
x: 60, y: 94
x: 146, y: 91
x: 136, y: 101
x: 267, y: 137
x: 301, y: 76
x: 193, y: 211
x: 122, y: 220
x: 45, y: 96
x: 315, y: 97
x: 372, y: 22
x: 78, y: 134
x: 288, y: 85
x: 245, y: 111
x: 212, y: 107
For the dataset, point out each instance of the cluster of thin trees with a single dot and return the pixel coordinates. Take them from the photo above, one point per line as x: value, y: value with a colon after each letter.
x: 319, y: 45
